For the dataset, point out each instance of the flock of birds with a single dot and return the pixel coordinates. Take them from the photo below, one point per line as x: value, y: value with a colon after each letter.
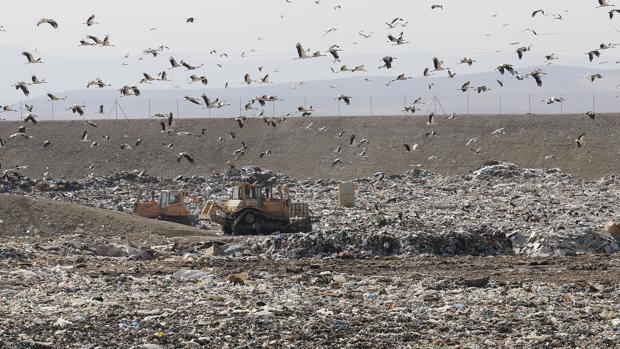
x: 395, y: 34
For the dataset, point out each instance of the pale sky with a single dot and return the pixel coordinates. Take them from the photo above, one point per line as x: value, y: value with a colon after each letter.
x: 463, y: 28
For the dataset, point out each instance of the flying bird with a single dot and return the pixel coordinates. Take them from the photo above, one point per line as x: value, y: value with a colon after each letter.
x: 346, y: 99
x: 400, y: 77
x: 49, y: 21
x: 387, y: 62
x: 580, y: 140
x: 77, y: 109
x: 30, y: 117
x: 55, y: 98
x: 30, y: 58
x: 185, y: 155
x: 90, y: 21
x: 23, y: 87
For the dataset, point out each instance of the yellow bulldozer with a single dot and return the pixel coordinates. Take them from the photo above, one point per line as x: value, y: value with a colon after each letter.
x: 167, y: 205
x: 258, y: 210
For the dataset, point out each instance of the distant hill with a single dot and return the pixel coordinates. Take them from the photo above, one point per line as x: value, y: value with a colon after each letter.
x: 516, y: 96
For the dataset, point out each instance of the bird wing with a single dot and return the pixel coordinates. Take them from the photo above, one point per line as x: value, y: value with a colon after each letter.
x: 300, y: 51
x: 28, y: 55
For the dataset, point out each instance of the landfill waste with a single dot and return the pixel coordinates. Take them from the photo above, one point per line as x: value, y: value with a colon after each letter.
x: 498, y: 209
x: 522, y: 254
x: 58, y: 294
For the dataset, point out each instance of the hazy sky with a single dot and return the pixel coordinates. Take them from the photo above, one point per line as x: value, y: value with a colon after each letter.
x: 268, y: 30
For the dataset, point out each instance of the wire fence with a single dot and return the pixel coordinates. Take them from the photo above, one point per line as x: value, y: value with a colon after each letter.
x: 326, y: 106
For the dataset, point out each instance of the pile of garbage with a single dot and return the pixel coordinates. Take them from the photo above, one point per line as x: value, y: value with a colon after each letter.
x: 499, y: 209
x: 347, y: 244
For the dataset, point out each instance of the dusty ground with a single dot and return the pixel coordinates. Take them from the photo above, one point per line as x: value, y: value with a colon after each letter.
x: 303, y: 152
x: 27, y: 216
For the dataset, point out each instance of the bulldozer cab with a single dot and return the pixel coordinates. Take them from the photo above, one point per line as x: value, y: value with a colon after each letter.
x: 169, y: 198
x: 166, y: 203
x: 268, y: 199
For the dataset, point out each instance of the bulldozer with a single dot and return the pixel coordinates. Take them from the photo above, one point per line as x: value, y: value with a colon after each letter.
x: 258, y: 210
x: 167, y: 206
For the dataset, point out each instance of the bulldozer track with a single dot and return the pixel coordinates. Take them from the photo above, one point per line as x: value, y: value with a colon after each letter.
x: 260, y: 224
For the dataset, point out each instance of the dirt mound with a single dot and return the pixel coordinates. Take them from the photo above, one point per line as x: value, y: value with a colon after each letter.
x: 26, y: 216
x: 305, y: 147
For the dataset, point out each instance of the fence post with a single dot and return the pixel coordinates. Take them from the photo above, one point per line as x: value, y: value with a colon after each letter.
x: 500, y: 104
x: 467, y: 94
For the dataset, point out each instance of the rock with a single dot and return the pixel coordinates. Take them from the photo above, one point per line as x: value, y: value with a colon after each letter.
x: 150, y: 346
x: 477, y: 282
x: 189, y: 275
x: 62, y: 323
x: 214, y: 251
x: 230, y: 249
x: 339, y: 279
x: 109, y: 250
x: 238, y: 279
x: 613, y: 230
